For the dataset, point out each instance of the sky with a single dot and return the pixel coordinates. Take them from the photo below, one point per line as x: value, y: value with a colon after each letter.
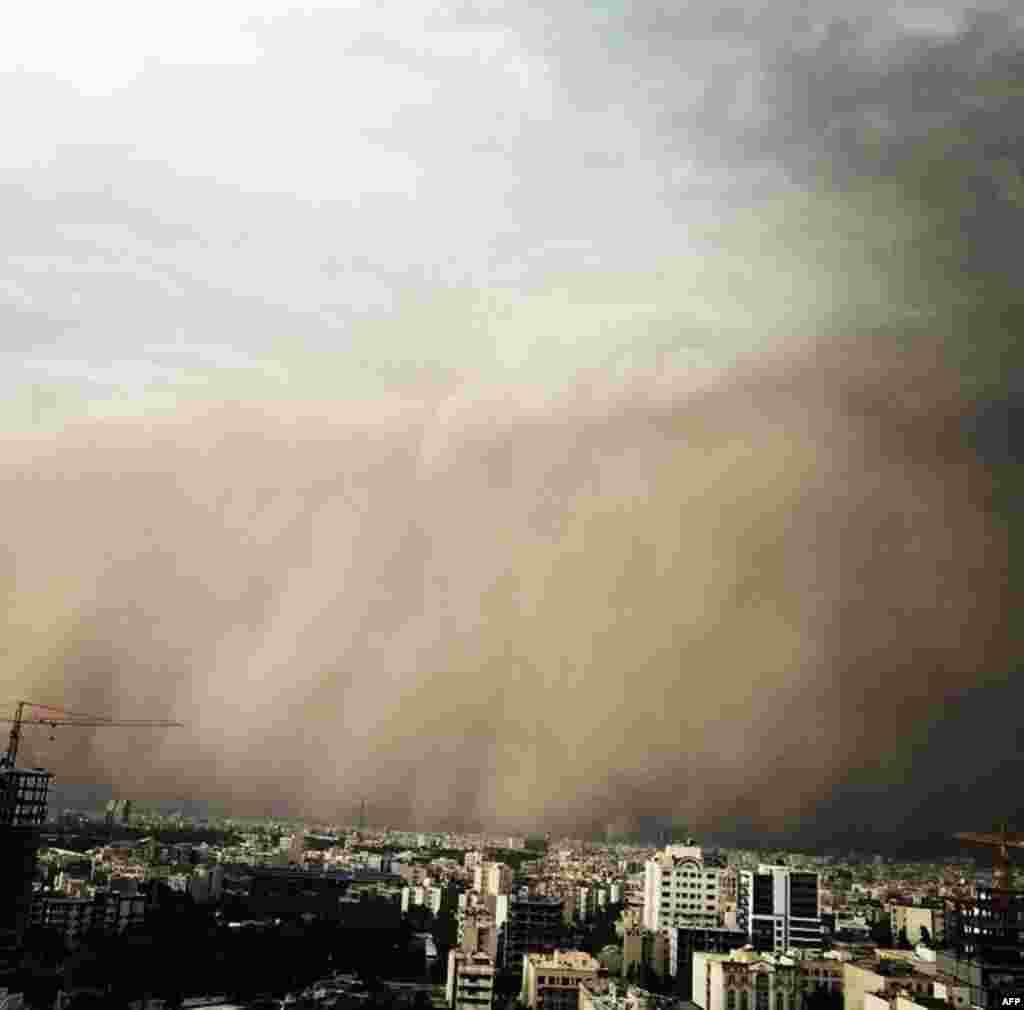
x: 534, y: 416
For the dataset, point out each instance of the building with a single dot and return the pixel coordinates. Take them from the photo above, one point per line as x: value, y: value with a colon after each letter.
x: 71, y: 917
x: 291, y: 894
x: 885, y: 977
x: 470, y: 983
x: 821, y: 974
x: 430, y: 898
x: 499, y: 879
x: 984, y: 946
x: 779, y: 908
x: 585, y: 903
x: 528, y: 924
x: 679, y: 890
x: 23, y: 796
x: 685, y: 941
x: 607, y: 994
x: 207, y: 884
x: 477, y: 931
x: 107, y: 913
x: 552, y: 981
x: 922, y: 924
x: 118, y: 813
x: 632, y: 941
x: 745, y: 980
x: 297, y: 848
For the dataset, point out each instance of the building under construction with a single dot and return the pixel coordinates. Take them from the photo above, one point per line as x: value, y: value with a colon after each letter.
x: 985, y: 931
x: 23, y: 796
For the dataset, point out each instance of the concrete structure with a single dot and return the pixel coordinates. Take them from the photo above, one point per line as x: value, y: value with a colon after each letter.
x: 632, y: 941
x: 685, y: 941
x: 552, y: 981
x: 431, y: 898
x: 917, y: 918
x: 779, y: 908
x: 23, y: 797
x: 745, y: 980
x: 499, y: 879
x: 289, y: 894
x: 882, y: 976
x: 528, y: 924
x: 470, y: 984
x: 985, y: 944
x: 477, y: 931
x: 607, y: 994
x: 106, y: 913
x: 951, y: 991
x: 586, y: 903
x: 820, y: 974
x: 679, y: 890
x: 903, y: 1001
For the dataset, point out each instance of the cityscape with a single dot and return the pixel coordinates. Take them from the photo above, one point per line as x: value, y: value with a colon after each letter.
x: 511, y: 505
x: 277, y: 913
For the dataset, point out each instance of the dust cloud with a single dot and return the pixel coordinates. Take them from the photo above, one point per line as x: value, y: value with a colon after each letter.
x: 709, y: 595
x: 629, y: 603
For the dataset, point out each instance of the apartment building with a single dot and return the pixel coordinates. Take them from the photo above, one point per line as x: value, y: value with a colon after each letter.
x: 679, y: 890
x: 552, y: 981
x: 73, y: 918
x: 470, y: 983
x: 745, y: 980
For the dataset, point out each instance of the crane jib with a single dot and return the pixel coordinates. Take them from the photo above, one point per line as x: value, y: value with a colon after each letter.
x: 71, y: 719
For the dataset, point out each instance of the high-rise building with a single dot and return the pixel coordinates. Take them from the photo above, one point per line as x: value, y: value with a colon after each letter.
x: 984, y: 945
x: 470, y: 981
x: 23, y: 795
x: 528, y: 924
x: 680, y: 890
x: 779, y: 908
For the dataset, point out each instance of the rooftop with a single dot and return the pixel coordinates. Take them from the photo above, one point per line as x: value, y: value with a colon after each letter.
x: 576, y: 960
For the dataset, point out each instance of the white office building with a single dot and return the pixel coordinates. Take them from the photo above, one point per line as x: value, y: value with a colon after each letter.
x: 679, y: 890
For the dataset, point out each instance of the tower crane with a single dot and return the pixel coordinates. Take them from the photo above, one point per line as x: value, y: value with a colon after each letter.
x: 53, y: 717
x: 1002, y: 841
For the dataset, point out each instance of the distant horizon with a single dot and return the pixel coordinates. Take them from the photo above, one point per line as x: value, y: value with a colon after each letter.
x: 928, y: 848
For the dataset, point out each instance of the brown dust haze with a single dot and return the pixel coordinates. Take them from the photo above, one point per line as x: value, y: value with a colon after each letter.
x: 631, y: 603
